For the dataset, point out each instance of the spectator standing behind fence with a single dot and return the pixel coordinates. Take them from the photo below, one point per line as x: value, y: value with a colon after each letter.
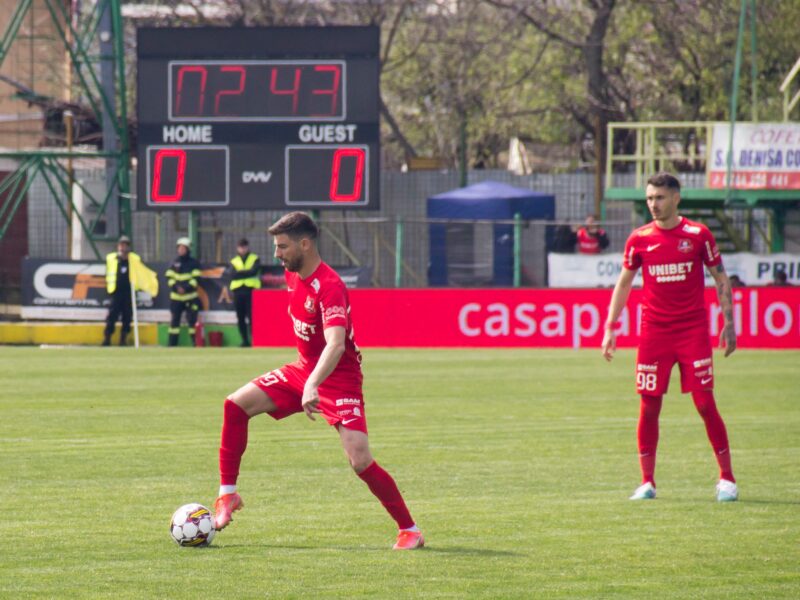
x: 124, y: 269
x: 245, y: 277
x: 118, y: 286
x: 780, y: 280
x: 183, y: 279
x: 591, y: 238
x: 736, y: 281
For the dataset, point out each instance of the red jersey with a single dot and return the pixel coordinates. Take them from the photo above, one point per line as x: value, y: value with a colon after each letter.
x: 588, y: 243
x: 315, y: 303
x: 672, y: 268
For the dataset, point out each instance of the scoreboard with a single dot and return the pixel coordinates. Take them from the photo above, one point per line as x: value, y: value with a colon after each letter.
x: 258, y: 118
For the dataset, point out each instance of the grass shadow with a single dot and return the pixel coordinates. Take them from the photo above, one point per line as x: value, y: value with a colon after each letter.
x: 471, y: 551
x: 427, y: 549
x: 762, y: 501
x: 307, y: 547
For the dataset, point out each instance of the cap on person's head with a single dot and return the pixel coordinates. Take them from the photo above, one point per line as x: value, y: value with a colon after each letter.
x: 184, y: 241
x: 243, y: 242
x: 124, y: 239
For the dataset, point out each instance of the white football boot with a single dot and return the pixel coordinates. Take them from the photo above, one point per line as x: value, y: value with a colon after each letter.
x: 727, y: 491
x: 646, y: 491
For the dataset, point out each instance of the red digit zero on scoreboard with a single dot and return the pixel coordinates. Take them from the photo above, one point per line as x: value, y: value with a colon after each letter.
x: 224, y: 117
x: 339, y: 172
x: 157, y: 193
x: 188, y: 176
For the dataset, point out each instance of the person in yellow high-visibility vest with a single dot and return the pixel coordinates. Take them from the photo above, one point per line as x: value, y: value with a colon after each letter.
x: 245, y: 277
x: 118, y: 286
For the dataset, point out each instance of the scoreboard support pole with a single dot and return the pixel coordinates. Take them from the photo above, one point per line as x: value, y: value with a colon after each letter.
x: 398, y: 253
x: 194, y: 234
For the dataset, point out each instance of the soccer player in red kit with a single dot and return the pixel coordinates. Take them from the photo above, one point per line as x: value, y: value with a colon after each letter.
x: 671, y: 252
x: 326, y: 379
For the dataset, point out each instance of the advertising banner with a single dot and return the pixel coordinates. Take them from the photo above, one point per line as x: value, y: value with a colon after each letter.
x: 765, y: 156
x: 530, y: 318
x: 76, y: 290
x: 602, y: 270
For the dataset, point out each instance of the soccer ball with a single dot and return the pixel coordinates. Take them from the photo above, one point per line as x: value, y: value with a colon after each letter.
x: 192, y: 525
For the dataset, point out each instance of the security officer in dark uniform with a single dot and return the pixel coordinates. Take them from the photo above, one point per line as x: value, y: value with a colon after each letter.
x: 182, y: 278
x: 118, y: 286
x: 245, y: 277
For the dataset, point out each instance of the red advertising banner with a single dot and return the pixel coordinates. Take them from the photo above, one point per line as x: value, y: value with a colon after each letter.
x: 766, y: 317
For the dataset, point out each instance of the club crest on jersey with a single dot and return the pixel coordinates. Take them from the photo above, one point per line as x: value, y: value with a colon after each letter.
x: 309, y: 305
x: 685, y: 245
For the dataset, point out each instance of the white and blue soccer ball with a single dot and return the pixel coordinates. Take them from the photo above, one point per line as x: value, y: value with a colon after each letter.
x: 192, y: 525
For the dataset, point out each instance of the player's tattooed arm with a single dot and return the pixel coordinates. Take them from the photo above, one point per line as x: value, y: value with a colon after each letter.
x: 725, y: 296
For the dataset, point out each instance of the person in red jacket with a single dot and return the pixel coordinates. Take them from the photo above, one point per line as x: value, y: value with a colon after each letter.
x: 591, y: 238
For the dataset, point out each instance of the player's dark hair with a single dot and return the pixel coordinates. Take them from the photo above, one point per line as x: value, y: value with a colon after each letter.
x: 296, y: 225
x: 243, y: 242
x: 664, y: 179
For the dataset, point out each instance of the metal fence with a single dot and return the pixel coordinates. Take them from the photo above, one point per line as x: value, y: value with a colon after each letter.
x: 393, y: 242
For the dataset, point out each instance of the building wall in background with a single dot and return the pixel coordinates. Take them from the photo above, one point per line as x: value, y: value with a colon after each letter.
x: 36, y: 60
x: 13, y: 247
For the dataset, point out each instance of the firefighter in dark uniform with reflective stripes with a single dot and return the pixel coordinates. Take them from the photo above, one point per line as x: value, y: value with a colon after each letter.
x: 245, y: 277
x: 182, y: 278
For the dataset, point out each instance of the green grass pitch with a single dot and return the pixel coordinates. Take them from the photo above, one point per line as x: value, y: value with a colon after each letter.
x: 517, y: 464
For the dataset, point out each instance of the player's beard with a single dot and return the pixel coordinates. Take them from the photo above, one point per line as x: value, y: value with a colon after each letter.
x: 293, y: 266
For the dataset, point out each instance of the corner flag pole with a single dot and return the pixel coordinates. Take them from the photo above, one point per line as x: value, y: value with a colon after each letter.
x: 135, y: 315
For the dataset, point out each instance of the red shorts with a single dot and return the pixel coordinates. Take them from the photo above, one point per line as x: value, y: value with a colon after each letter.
x: 338, y: 404
x: 660, y: 348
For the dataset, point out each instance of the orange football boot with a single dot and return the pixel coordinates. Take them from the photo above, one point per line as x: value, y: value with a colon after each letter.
x: 409, y: 540
x: 224, y: 508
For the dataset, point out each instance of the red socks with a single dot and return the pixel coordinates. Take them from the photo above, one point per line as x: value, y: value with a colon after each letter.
x: 715, y: 428
x: 647, y: 435
x: 233, y: 443
x: 385, y: 489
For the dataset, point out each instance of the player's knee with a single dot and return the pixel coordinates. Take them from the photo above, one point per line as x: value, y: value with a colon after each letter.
x: 704, y: 402
x: 360, y: 460
x: 360, y: 466
x: 251, y: 404
x: 650, y: 407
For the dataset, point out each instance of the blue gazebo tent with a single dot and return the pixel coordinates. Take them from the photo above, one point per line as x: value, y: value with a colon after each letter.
x: 488, y: 200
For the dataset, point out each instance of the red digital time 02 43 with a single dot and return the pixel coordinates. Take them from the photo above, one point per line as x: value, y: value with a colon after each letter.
x: 257, y: 90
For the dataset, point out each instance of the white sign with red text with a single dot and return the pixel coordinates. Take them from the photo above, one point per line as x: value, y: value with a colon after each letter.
x: 766, y: 156
x: 602, y: 270
x: 458, y: 318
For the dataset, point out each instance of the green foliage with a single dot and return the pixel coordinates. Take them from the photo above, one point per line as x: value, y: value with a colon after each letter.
x: 525, y: 68
x: 517, y: 464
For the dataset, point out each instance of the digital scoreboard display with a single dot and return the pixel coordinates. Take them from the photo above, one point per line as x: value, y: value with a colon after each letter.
x: 258, y: 118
